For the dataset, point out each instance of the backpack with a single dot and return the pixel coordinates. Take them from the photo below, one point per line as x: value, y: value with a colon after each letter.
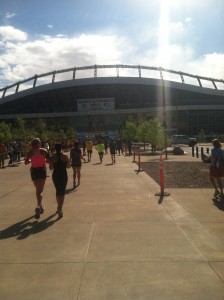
x: 219, y: 163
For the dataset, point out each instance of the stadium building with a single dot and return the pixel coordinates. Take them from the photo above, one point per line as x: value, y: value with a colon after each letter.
x: 102, y: 97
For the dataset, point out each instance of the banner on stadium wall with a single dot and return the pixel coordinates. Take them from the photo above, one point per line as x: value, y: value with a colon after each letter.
x: 95, y: 104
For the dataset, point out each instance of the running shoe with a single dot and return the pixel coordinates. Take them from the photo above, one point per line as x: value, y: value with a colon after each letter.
x: 216, y: 193
x: 60, y: 213
x: 42, y: 210
x: 221, y: 197
x: 37, y: 213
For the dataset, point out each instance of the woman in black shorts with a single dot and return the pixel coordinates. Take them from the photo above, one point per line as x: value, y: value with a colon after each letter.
x: 75, y: 159
x: 38, y: 157
x: 59, y: 162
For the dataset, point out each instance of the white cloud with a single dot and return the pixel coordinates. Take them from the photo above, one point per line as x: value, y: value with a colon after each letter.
x: 209, y: 65
x: 187, y: 20
x: 9, y: 33
x: 25, y: 59
x: 21, y: 58
x: 9, y: 15
x: 50, y: 26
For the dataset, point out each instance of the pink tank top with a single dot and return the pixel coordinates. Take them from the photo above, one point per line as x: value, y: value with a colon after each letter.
x: 38, y: 160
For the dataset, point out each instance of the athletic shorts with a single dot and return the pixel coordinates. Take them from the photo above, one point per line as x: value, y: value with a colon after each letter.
x: 60, y: 184
x: 216, y: 172
x: 38, y: 173
x: 76, y: 165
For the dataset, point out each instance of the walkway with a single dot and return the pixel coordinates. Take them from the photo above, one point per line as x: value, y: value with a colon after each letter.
x: 115, y: 241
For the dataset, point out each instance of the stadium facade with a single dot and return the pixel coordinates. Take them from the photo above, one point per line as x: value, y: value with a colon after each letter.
x: 87, y: 101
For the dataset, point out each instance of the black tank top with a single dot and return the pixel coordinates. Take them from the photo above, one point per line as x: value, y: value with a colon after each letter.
x: 59, y: 166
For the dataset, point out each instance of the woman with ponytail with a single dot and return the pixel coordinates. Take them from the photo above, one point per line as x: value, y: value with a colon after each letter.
x: 59, y: 162
x: 38, y: 157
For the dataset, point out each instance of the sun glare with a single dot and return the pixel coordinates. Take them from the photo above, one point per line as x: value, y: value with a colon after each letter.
x: 164, y: 56
x: 163, y: 34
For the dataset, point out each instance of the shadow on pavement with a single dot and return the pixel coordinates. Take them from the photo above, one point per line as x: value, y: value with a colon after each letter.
x: 219, y: 204
x: 71, y: 190
x: 160, y: 201
x: 24, y: 228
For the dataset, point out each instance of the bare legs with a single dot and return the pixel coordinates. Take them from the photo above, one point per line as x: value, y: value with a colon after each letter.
x: 76, y: 174
x: 60, y: 202
x: 39, y: 185
x: 216, y: 185
x: 101, y: 157
x: 89, y: 153
x: 113, y: 158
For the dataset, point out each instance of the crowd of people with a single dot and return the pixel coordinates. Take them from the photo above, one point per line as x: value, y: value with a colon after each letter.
x: 13, y: 151
x: 39, y: 155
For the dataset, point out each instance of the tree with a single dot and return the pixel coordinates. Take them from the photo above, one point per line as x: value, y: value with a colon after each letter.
x: 59, y: 135
x: 129, y: 132
x: 20, y: 129
x: 41, y: 130
x: 156, y: 135
x: 142, y: 132
x: 152, y: 132
x: 5, y: 132
x: 26, y: 131
x: 71, y: 133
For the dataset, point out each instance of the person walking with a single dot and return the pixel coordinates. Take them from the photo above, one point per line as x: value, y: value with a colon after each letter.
x: 112, y: 147
x: 59, y: 163
x: 106, y: 146
x: 100, y: 148
x: 3, y: 155
x: 10, y: 153
x: 84, y: 147
x: 129, y: 144
x: 217, y: 167
x: 38, y: 157
x: 89, y: 148
x: 76, y: 163
x: 120, y: 146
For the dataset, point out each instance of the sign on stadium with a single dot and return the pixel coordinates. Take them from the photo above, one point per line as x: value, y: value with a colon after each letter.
x: 95, y: 104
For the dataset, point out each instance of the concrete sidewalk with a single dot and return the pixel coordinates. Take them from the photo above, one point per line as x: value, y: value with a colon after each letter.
x: 115, y: 240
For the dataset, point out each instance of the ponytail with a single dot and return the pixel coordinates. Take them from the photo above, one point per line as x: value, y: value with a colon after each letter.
x: 57, y: 148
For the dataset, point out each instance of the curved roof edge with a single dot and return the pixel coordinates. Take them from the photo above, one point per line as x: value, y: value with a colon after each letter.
x: 110, y: 81
x: 32, y: 81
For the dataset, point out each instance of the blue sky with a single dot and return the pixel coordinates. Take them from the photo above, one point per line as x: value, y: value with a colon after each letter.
x: 45, y: 35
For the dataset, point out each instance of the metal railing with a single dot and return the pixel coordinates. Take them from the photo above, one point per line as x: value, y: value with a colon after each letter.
x: 95, y: 68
